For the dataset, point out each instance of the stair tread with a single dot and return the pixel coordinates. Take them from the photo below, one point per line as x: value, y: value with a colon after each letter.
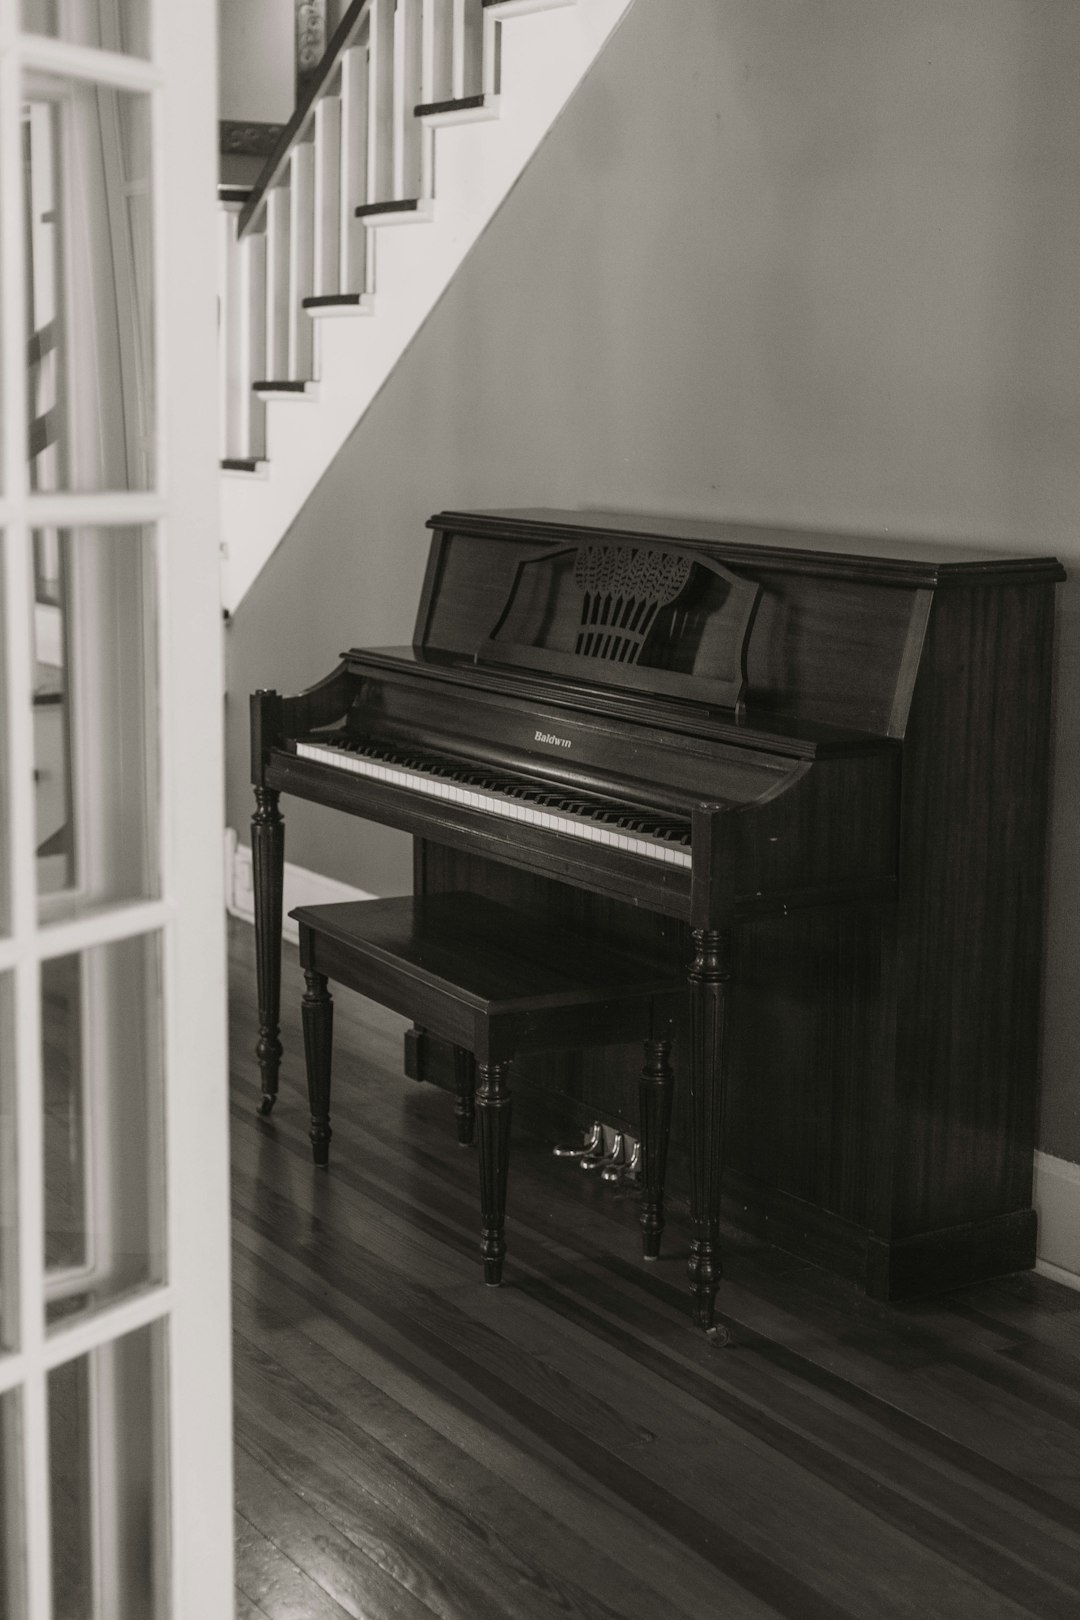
x: 427, y: 109
x: 395, y: 205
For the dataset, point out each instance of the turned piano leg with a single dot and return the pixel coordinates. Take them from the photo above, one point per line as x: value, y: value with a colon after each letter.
x: 493, y: 1120
x: 654, y: 1106
x: 710, y: 974
x: 317, y: 1012
x: 465, y: 1105
x: 268, y: 871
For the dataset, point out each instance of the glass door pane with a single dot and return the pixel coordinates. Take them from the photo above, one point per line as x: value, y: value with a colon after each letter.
x: 86, y: 160
x: 107, y: 1456
x: 114, y: 25
x: 95, y: 718
x: 103, y: 1134
x: 12, y: 1595
x: 9, y: 1232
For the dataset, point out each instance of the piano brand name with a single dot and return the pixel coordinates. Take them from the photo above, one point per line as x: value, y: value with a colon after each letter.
x: 550, y: 737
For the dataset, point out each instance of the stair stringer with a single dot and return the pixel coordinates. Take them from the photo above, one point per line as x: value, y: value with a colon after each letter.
x: 545, y: 54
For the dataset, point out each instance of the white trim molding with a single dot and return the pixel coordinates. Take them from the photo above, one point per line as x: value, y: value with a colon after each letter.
x: 302, y: 888
x: 1056, y: 1197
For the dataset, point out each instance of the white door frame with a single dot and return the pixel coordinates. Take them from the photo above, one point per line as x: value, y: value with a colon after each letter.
x: 181, y: 513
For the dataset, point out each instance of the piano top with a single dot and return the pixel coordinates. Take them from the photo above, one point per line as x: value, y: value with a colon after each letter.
x: 898, y: 559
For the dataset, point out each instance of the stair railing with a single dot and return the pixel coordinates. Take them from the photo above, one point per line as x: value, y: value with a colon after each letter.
x: 357, y: 152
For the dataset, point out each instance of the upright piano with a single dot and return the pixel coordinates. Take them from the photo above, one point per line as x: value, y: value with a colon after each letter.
x: 814, y: 767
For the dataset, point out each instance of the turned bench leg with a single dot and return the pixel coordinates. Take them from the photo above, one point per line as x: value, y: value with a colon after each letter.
x: 268, y: 866
x: 465, y: 1107
x: 317, y: 1010
x: 493, y: 1117
x: 654, y: 1106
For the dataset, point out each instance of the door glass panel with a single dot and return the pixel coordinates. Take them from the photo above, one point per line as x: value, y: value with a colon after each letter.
x: 107, y: 1481
x: 8, y: 1184
x: 86, y: 159
x: 113, y: 25
x: 12, y: 1606
x: 104, y: 1150
x: 5, y: 848
x: 95, y: 728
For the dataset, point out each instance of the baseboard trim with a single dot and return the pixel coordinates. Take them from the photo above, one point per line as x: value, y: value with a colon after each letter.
x: 302, y: 887
x: 1056, y: 1196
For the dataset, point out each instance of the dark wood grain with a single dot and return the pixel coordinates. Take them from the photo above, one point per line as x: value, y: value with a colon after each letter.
x: 871, y: 832
x: 412, y: 1443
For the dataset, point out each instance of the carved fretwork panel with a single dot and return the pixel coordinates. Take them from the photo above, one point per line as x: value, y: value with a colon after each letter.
x: 655, y: 617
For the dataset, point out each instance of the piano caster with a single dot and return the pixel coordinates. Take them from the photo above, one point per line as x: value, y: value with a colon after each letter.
x: 593, y: 1147
x: 266, y: 1106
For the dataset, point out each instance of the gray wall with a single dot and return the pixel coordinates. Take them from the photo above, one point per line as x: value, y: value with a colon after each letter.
x: 812, y: 261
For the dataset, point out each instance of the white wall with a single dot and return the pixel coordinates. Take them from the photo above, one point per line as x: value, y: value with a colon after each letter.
x: 256, y: 61
x: 803, y: 261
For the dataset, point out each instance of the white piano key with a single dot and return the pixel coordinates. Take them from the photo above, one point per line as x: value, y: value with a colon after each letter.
x: 493, y: 803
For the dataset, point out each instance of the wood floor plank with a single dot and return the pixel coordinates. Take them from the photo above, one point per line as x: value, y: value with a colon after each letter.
x: 989, y: 1517
x: 362, y: 1572
x: 245, y: 1609
x: 567, y: 1444
x: 512, y: 1490
x: 270, y: 1580
x: 469, y: 1566
x: 752, y: 1502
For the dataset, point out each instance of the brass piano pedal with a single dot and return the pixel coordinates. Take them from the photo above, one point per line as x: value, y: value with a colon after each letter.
x: 604, y: 1157
x: 629, y: 1174
x: 592, y: 1148
x: 613, y: 1166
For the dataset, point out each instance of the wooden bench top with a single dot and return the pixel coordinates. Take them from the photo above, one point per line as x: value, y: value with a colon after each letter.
x: 484, y: 955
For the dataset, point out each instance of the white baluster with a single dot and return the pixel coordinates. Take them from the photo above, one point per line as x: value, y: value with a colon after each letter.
x: 381, y: 102
x: 468, y: 74
x: 253, y: 344
x: 301, y: 258
x: 354, y: 167
x: 327, y: 267
x: 408, y: 131
x: 277, y: 284
x: 229, y: 328
x: 438, y: 53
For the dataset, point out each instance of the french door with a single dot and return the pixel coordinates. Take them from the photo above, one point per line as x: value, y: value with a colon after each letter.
x: 115, y: 1478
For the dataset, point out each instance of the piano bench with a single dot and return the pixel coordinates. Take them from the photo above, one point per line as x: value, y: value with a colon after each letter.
x: 494, y: 983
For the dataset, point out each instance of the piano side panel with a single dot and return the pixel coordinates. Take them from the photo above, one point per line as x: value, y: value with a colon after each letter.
x: 976, y: 780
x: 812, y: 1064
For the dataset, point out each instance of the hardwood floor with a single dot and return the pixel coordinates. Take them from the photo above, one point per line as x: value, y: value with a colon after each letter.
x: 410, y: 1443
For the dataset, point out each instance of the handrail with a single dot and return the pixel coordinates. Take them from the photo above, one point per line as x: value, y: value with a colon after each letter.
x: 274, y: 164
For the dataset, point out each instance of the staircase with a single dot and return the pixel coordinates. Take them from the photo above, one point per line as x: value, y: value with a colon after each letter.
x: 424, y: 115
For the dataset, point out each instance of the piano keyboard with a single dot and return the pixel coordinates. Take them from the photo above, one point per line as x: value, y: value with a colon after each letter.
x: 636, y: 830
